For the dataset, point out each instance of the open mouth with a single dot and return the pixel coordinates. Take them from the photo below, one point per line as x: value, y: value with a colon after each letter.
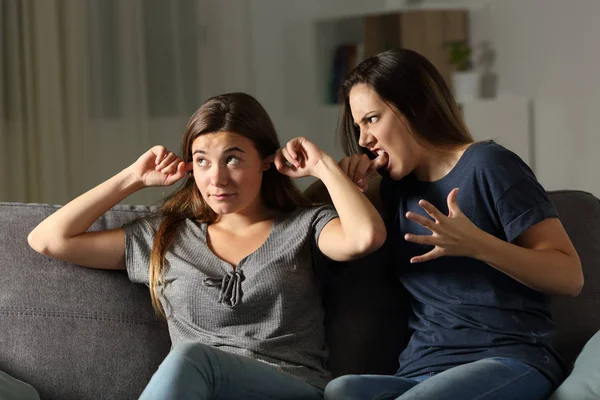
x: 380, y: 153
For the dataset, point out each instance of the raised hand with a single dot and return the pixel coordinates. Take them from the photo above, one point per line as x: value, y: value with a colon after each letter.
x: 298, y: 158
x: 358, y: 167
x: 451, y: 235
x: 160, y: 167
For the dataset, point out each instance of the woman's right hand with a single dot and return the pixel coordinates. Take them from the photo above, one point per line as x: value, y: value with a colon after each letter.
x: 159, y: 167
x: 358, y: 167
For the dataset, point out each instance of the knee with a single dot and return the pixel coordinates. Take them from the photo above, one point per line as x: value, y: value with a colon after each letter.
x: 345, y: 387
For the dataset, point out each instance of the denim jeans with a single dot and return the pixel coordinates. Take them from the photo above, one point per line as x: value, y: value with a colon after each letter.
x: 196, y: 371
x: 488, y: 379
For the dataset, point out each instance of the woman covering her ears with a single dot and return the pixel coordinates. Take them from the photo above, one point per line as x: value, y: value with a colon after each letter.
x: 232, y: 258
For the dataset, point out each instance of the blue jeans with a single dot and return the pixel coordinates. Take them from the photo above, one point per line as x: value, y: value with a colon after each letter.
x: 197, y: 371
x: 488, y: 379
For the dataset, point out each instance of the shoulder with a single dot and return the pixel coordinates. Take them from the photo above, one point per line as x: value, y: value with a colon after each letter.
x: 149, y: 224
x: 309, y: 213
x: 491, y: 158
x: 308, y: 217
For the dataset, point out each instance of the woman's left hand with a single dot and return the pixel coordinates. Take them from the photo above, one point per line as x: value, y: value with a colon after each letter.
x: 298, y: 158
x: 451, y: 235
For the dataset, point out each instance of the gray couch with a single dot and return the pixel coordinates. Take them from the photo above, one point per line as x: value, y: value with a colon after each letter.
x: 77, y: 333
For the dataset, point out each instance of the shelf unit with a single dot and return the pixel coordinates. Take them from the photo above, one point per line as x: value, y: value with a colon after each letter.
x: 426, y: 31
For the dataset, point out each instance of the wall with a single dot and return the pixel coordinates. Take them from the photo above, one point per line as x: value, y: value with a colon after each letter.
x: 547, y: 50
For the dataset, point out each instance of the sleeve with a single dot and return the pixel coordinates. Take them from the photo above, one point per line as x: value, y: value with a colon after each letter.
x: 523, y: 205
x: 323, y: 266
x: 139, y: 237
x: 323, y: 216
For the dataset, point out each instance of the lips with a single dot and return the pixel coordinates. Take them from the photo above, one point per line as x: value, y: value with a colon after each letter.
x: 222, y: 196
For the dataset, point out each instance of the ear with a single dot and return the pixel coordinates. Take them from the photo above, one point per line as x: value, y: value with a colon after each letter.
x: 268, y: 161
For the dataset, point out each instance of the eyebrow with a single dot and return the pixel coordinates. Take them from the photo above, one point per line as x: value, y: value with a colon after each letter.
x: 227, y: 150
x: 363, y: 119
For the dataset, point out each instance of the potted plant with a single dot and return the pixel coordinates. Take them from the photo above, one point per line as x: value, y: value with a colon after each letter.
x: 465, y: 80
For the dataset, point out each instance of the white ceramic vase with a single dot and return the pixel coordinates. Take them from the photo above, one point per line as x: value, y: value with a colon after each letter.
x: 466, y: 85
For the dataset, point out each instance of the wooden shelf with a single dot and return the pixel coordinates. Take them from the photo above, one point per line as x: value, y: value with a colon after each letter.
x: 424, y: 31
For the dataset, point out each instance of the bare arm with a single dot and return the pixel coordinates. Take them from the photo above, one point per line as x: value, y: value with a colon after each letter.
x: 63, y: 234
x: 542, y: 257
x: 359, y: 229
x: 317, y: 192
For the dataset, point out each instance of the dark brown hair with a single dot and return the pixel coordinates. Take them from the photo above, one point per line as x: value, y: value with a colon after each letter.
x: 409, y: 82
x: 233, y: 112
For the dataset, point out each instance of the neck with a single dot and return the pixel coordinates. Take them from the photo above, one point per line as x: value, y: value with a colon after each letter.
x: 437, y: 163
x: 244, y: 219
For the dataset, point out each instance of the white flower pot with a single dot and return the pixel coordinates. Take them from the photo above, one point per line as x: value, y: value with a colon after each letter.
x: 466, y: 85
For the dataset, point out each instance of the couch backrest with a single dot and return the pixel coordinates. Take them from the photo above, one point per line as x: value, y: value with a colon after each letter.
x: 77, y: 333
x: 578, y: 318
x: 73, y: 332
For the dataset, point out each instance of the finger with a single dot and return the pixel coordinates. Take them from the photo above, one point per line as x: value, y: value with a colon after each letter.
x: 362, y: 185
x: 188, y: 166
x: 172, y: 167
x: 379, y: 162
x: 345, y: 164
x: 420, y: 239
x: 453, y: 208
x: 432, y: 255
x: 288, y: 160
x: 362, y: 164
x: 178, y: 173
x: 279, y: 160
x: 421, y: 220
x: 169, y: 158
x: 282, y: 164
x: 160, y: 152
x: 431, y: 210
x: 291, y: 148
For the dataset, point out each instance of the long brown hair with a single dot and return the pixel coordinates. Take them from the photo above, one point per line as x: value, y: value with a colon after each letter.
x: 233, y: 112
x: 408, y: 81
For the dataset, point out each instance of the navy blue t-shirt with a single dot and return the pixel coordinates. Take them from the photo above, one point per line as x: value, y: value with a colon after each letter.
x: 464, y: 310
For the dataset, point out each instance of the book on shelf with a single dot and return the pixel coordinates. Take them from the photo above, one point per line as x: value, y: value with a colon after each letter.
x: 345, y: 58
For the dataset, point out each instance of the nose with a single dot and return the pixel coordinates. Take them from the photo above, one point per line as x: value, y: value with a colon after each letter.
x: 219, y: 175
x: 365, y: 139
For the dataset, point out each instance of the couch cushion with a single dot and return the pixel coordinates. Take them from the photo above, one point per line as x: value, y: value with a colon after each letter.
x: 578, y: 318
x: 584, y: 382
x: 111, y: 340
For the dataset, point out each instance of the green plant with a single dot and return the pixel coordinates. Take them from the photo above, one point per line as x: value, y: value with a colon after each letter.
x: 460, y: 54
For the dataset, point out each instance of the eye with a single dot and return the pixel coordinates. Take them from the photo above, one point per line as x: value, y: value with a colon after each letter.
x: 372, y: 119
x: 201, y: 161
x: 232, y: 160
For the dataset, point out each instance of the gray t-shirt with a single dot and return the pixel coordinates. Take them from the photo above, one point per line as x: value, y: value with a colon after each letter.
x: 269, y: 309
